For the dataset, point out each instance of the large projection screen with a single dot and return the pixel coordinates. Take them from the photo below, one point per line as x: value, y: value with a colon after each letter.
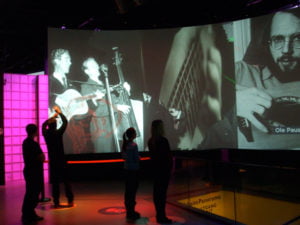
x: 214, y: 86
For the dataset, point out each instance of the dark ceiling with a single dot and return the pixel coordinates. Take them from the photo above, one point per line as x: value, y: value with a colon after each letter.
x: 23, y: 24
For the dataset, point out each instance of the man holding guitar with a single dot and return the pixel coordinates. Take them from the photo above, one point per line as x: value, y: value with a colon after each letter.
x: 101, y: 129
x: 63, y: 93
x: 70, y: 101
x: 61, y: 61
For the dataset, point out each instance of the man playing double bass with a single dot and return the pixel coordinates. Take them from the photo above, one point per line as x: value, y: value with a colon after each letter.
x: 106, y: 108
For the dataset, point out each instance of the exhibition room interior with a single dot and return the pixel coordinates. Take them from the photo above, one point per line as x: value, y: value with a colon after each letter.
x: 221, y: 75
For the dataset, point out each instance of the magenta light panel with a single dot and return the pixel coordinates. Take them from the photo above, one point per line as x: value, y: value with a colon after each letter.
x: 42, y: 100
x: 25, y: 101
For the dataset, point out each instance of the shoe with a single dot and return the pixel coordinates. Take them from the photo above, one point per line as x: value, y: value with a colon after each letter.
x: 164, y: 220
x: 45, y: 200
x: 58, y: 206
x: 70, y: 204
x: 38, y: 218
x: 31, y: 219
x: 133, y: 216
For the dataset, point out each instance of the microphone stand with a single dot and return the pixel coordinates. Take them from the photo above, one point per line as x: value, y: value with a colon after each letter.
x: 111, y: 110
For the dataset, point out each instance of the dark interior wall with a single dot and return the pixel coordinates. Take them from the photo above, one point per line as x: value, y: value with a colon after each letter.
x: 104, y: 170
x: 100, y: 172
x: 274, y: 160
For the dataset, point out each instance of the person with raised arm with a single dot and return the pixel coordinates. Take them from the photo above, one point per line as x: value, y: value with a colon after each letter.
x: 57, y: 160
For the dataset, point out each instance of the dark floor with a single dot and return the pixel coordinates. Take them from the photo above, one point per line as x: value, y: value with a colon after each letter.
x: 95, y: 203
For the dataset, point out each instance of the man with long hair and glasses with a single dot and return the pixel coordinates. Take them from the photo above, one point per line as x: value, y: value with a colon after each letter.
x: 267, y: 93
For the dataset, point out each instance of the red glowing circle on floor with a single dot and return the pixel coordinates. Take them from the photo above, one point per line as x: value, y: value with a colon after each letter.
x: 115, y: 210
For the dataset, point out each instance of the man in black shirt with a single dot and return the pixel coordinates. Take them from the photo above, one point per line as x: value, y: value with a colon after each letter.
x: 33, y: 174
x: 57, y: 161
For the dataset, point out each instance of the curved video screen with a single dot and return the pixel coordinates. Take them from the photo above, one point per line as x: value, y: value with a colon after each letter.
x: 227, y: 85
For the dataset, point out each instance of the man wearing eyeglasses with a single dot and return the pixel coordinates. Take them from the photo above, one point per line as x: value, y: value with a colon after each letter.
x: 268, y: 93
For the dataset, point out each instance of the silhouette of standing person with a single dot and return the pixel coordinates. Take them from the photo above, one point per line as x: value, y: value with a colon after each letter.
x: 131, y: 166
x: 57, y: 160
x: 162, y: 163
x: 33, y: 174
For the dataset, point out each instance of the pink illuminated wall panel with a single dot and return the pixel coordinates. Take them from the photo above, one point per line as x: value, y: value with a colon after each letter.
x: 42, y: 105
x: 25, y: 101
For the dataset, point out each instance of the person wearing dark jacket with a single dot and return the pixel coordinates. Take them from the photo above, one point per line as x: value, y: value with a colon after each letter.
x: 33, y: 174
x: 162, y: 163
x: 131, y: 166
x: 57, y: 161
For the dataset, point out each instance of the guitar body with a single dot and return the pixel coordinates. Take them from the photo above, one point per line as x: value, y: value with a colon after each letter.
x: 71, y: 103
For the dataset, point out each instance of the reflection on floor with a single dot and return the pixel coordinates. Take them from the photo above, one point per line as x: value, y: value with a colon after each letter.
x: 96, y: 203
x: 244, y: 208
